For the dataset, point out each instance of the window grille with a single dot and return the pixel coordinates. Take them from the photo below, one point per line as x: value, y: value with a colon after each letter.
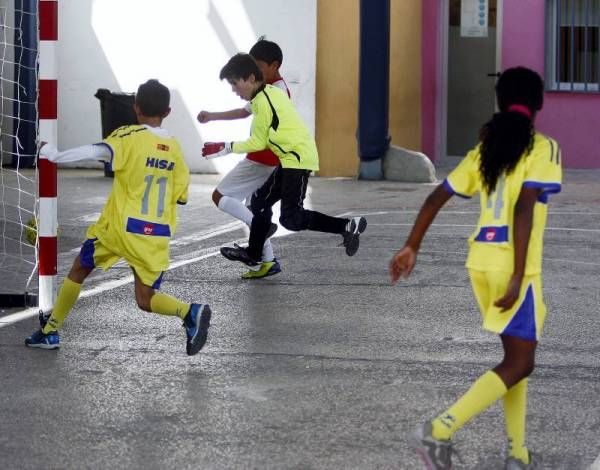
x: 572, y: 45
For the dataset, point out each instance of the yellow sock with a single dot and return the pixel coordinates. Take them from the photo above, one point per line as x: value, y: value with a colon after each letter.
x: 485, y: 390
x: 167, y: 305
x: 67, y: 296
x: 515, y: 410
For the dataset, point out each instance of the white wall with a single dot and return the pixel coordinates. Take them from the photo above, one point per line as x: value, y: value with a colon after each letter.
x: 118, y: 44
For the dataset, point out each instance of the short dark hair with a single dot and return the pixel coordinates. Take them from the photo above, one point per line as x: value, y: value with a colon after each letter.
x: 267, y: 51
x: 241, y: 66
x: 153, y: 98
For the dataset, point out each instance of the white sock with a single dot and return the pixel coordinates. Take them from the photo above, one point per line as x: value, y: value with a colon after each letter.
x: 267, y: 253
x: 239, y: 210
x: 236, y: 209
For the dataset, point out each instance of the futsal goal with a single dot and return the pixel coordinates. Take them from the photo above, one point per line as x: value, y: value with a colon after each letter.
x: 28, y: 244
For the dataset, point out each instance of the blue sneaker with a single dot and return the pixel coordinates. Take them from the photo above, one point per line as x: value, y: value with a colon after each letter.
x: 42, y: 341
x: 196, y: 324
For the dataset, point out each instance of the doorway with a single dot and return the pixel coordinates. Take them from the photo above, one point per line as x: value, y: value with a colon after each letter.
x: 471, y: 59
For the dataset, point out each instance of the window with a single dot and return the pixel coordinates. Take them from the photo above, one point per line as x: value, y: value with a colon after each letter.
x: 572, y: 45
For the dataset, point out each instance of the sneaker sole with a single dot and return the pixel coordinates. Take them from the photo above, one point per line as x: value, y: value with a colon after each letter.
x: 194, y: 345
x: 417, y: 445
x: 415, y: 439
x: 42, y: 346
x: 354, y: 243
x: 270, y: 272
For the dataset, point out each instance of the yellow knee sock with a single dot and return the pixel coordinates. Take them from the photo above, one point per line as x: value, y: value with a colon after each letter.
x: 67, y: 296
x: 515, y: 410
x: 167, y: 305
x: 486, y: 390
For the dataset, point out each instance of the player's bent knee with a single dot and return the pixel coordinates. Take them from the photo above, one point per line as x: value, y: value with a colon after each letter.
x: 294, y: 222
x: 528, y: 369
x: 216, y: 197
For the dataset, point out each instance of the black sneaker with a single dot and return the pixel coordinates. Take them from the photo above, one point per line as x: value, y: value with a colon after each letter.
x: 196, y: 324
x: 354, y: 228
x: 238, y: 253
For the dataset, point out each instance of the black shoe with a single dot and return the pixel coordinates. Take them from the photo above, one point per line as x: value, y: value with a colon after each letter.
x: 354, y: 228
x: 237, y: 253
x: 272, y: 230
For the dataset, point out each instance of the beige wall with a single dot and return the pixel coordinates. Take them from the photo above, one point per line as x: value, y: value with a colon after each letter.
x: 405, y: 73
x: 337, y: 81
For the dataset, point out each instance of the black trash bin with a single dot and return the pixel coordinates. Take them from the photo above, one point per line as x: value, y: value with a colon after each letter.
x: 116, y: 110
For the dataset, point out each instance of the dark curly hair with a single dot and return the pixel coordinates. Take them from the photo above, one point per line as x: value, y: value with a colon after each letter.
x: 508, y: 136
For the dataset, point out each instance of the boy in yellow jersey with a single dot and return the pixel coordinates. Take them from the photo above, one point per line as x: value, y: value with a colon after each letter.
x: 277, y: 125
x: 236, y: 188
x: 513, y: 169
x: 138, y: 220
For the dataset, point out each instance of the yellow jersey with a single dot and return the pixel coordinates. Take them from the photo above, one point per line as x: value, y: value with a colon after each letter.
x: 491, y: 245
x: 278, y: 126
x: 151, y: 178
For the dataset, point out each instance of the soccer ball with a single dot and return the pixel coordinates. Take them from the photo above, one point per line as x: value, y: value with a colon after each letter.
x: 31, y: 231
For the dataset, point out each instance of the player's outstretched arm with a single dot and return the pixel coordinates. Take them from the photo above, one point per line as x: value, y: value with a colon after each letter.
x: 403, y: 261
x: 207, y: 116
x: 86, y: 152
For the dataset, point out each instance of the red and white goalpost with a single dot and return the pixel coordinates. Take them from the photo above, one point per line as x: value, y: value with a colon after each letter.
x: 28, y: 186
x: 47, y: 175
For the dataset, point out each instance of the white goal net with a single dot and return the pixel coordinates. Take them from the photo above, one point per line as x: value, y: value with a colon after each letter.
x: 18, y: 148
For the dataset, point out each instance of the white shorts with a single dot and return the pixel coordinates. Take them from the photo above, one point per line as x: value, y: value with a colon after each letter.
x: 244, y: 179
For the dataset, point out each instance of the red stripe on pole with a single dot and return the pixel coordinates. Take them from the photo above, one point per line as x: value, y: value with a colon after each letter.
x: 47, y: 178
x: 48, y: 20
x: 48, y: 99
x: 48, y: 256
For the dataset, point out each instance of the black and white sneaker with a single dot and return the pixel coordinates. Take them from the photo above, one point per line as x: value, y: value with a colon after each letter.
x: 354, y: 228
x: 238, y: 253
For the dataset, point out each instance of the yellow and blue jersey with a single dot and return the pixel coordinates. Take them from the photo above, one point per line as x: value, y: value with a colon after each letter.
x: 491, y: 246
x: 278, y: 126
x: 151, y: 178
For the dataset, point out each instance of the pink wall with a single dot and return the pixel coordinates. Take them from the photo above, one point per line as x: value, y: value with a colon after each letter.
x: 430, y: 77
x: 573, y: 119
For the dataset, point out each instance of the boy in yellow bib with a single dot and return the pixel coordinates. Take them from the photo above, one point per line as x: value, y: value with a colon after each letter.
x: 513, y: 169
x: 138, y: 220
x: 276, y: 125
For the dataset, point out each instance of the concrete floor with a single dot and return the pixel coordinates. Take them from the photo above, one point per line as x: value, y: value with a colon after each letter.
x: 324, y: 366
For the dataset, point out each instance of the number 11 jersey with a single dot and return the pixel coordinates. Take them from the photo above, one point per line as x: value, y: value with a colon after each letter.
x: 151, y: 178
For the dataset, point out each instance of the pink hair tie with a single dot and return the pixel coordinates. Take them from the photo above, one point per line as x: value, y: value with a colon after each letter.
x: 520, y: 108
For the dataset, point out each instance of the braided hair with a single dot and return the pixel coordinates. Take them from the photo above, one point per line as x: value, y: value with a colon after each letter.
x: 509, y: 134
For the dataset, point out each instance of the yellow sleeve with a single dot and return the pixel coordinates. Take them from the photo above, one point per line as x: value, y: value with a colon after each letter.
x: 464, y: 180
x: 117, y: 144
x: 259, y: 132
x: 543, y: 169
x: 182, y: 181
